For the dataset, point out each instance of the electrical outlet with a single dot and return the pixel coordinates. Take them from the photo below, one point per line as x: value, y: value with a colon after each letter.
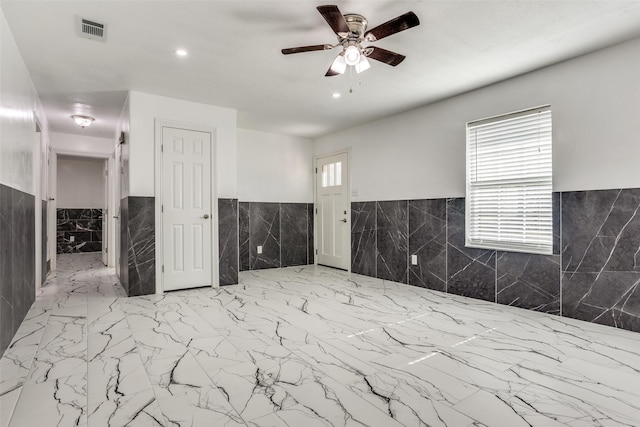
x: 259, y: 249
x: 72, y: 238
x: 414, y: 259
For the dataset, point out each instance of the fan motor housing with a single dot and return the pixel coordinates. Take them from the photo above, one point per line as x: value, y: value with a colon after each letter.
x: 357, y: 24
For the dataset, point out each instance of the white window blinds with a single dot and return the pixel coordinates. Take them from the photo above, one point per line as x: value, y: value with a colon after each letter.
x: 508, y: 203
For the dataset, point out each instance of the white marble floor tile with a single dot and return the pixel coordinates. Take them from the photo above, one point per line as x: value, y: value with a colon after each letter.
x: 137, y: 409
x: 202, y: 406
x: 297, y: 415
x: 112, y: 378
x: 599, y: 393
x: 306, y: 346
x: 15, y: 366
x: 105, y: 313
x: 62, y: 351
x: 59, y: 402
x: 215, y: 352
x: 250, y: 391
x: 494, y: 410
x: 8, y: 400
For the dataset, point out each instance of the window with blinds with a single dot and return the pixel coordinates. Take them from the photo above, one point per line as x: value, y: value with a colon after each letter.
x: 509, y: 182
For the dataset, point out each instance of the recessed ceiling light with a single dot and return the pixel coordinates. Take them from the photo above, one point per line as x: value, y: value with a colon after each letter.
x: 181, y: 52
x: 336, y: 95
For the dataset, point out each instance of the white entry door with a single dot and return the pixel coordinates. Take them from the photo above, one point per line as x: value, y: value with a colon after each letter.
x: 333, y: 217
x: 186, y: 208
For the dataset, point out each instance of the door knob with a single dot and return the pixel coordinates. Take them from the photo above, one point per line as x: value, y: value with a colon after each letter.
x: 344, y: 220
x: 206, y: 216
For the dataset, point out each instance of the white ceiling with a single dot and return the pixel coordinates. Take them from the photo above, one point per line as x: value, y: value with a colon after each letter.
x: 235, y: 61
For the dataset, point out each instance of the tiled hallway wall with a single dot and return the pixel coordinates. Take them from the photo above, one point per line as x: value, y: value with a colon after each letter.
x: 594, y: 274
x: 84, y: 225
x: 228, y: 241
x: 44, y: 236
x: 17, y: 260
x: 137, y: 245
x: 284, y: 230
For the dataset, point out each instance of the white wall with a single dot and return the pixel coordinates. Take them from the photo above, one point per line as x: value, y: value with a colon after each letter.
x: 146, y: 108
x: 19, y: 143
x: 80, y: 183
x: 21, y: 148
x: 274, y: 167
x: 595, y: 102
x: 80, y: 145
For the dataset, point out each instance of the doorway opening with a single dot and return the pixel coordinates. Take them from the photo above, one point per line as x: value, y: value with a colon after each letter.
x: 82, y: 205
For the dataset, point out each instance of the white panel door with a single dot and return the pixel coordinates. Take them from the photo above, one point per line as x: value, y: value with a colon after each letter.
x: 333, y: 211
x: 186, y: 208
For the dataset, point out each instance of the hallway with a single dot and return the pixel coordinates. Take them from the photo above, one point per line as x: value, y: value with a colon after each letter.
x: 306, y: 346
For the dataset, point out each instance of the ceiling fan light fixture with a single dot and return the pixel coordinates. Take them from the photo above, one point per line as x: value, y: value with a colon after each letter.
x: 363, y: 65
x: 82, y: 121
x: 339, y: 65
x: 352, y: 55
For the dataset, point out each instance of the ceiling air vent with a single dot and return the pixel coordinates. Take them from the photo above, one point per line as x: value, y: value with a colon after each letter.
x: 92, y: 30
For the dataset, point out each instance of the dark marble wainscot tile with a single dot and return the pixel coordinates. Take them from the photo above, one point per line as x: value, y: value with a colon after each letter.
x: 43, y: 240
x: 363, y: 252
x: 363, y: 238
x: 7, y: 327
x: 601, y: 243
x: 470, y: 272
x: 83, y: 225
x: 529, y: 281
x: 428, y: 240
x: 141, y: 249
x: 243, y: 235
x: 228, y: 241
x: 556, y: 197
x: 123, y: 274
x: 363, y: 216
x: 597, y: 230
x: 610, y: 298
x: 392, y: 240
x: 92, y: 247
x: 264, y: 227
x: 310, y: 240
x: 67, y: 246
x: 294, y: 226
x: 22, y: 253
x: 78, y: 213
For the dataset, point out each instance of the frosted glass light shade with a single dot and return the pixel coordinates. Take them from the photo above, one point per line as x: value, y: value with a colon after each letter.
x: 363, y: 65
x: 339, y: 65
x: 82, y: 121
x: 352, y: 55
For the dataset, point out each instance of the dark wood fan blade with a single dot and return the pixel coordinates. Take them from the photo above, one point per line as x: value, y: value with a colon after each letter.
x: 400, y: 23
x: 300, y: 49
x: 386, y: 56
x: 334, y: 18
x: 330, y: 73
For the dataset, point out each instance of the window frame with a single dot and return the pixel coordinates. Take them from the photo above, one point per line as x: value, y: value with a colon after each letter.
x: 521, y: 184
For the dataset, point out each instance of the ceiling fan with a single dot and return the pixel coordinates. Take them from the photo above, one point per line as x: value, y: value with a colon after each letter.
x: 351, y: 30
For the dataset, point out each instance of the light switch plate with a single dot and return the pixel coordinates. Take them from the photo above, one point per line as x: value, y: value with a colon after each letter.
x: 259, y: 249
x: 414, y: 259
